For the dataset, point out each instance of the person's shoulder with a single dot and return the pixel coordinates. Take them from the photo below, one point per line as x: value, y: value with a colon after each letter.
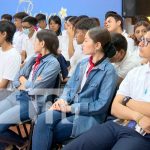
x: 139, y: 69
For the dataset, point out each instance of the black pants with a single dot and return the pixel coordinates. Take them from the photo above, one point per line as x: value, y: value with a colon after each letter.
x: 110, y: 136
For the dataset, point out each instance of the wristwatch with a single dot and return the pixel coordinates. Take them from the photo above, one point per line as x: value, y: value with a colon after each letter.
x: 125, y: 100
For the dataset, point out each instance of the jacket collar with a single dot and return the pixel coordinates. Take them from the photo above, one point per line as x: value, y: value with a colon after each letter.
x: 100, y: 66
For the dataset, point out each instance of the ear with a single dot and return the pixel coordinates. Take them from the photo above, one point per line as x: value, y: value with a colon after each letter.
x: 119, y: 23
x: 98, y: 46
x: 122, y: 53
x: 42, y: 44
x: 4, y: 34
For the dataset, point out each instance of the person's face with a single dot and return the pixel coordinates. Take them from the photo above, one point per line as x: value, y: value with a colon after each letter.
x: 111, y: 24
x: 145, y: 46
x: 26, y: 25
x: 80, y: 35
x: 140, y: 32
x: 54, y: 26
x: 2, y: 37
x: 38, y: 46
x: 18, y: 23
x: 89, y: 46
x: 42, y: 24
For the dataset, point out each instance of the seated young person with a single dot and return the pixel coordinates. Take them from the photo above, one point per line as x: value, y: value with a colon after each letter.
x: 29, y: 28
x: 140, y: 29
x: 114, y: 24
x: 84, y: 101
x: 19, y: 35
x: 6, y: 17
x: 131, y: 131
x: 42, y: 24
x: 123, y: 61
x: 39, y: 72
x: 10, y: 59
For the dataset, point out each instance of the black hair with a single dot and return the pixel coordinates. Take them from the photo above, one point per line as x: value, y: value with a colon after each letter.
x: 66, y: 18
x: 40, y: 17
x: 31, y: 20
x: 103, y: 36
x: 109, y: 12
x: 20, y: 15
x: 7, y: 17
x: 73, y: 20
x: 97, y: 20
x: 141, y: 18
x: 148, y: 28
x: 50, y: 38
x: 119, y: 41
x: 57, y: 20
x: 9, y: 28
x: 141, y: 23
x: 86, y: 24
x: 117, y: 17
x: 83, y: 16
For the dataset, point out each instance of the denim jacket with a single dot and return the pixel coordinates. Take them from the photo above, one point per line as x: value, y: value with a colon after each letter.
x: 90, y: 104
x: 48, y: 70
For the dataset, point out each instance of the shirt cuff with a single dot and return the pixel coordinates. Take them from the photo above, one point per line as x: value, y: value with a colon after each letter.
x: 79, y: 108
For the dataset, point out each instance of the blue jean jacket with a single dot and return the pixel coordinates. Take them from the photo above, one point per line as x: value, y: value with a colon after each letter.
x: 48, y: 70
x: 90, y: 104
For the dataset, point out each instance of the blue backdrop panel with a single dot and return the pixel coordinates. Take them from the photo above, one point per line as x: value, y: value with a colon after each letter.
x: 73, y: 7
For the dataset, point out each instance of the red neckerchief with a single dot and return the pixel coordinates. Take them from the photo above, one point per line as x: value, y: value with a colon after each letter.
x: 37, y: 62
x: 92, y: 65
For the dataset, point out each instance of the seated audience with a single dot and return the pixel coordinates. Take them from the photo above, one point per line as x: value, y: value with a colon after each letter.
x: 123, y: 61
x: 39, y: 72
x: 84, y: 101
x: 131, y: 131
x: 19, y: 36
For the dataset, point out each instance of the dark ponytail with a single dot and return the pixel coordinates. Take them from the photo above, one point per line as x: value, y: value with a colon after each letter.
x: 109, y: 50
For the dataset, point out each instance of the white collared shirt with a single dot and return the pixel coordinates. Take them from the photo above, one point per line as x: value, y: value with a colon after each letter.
x: 129, y: 62
x: 130, y: 41
x: 137, y: 84
x: 28, y: 46
x: 18, y: 39
x: 9, y: 65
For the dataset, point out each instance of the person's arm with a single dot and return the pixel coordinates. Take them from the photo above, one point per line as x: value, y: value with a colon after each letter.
x: 123, y: 112
x: 46, y: 78
x: 4, y: 83
x: 139, y: 106
x: 23, y: 56
x: 100, y: 105
x: 71, y: 38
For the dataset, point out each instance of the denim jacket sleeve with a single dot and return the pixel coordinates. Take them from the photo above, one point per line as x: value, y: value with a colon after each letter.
x: 106, y: 93
x: 22, y: 72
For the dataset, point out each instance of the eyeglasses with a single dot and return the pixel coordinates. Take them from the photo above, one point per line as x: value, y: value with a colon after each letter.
x: 27, y: 27
x: 145, y: 41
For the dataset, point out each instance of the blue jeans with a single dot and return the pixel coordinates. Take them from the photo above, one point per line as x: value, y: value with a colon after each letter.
x: 14, y: 109
x: 49, y: 128
x: 110, y: 136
